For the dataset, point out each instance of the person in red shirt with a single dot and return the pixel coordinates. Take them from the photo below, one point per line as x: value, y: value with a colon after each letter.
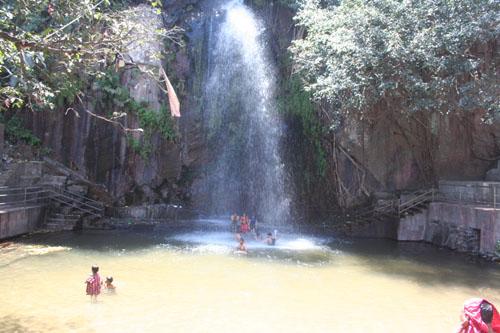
x: 479, y: 316
x: 94, y: 284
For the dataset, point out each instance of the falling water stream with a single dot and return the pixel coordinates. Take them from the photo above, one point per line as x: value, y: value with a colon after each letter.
x: 245, y: 172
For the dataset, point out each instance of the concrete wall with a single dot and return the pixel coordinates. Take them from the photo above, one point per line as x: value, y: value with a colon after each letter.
x: 465, y: 228
x: 412, y: 228
x: 18, y: 221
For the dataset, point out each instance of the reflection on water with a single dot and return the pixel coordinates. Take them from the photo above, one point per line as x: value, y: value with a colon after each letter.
x: 188, y: 279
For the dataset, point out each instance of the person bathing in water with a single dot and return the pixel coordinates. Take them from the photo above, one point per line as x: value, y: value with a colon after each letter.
x: 244, y: 227
x: 94, y: 284
x: 108, y: 285
x: 479, y: 316
x: 241, y: 246
x: 253, y: 224
x: 234, y: 222
x: 271, y: 238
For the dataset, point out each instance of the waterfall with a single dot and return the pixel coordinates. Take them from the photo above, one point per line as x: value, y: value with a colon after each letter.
x: 245, y: 172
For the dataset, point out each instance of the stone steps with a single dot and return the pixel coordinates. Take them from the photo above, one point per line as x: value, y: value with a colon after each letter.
x: 67, y: 216
x: 51, y: 180
x: 62, y: 220
x: 58, y: 226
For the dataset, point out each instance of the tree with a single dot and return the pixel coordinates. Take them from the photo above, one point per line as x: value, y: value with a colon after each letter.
x: 51, y: 50
x: 419, y: 55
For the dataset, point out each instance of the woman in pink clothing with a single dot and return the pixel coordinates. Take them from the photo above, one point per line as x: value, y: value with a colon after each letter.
x: 479, y: 316
x: 94, y: 284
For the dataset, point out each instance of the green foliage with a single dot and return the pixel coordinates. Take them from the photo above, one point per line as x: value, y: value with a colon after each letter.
x: 16, y: 132
x: 160, y: 121
x: 143, y: 149
x: 498, y: 247
x: 48, y: 48
x: 297, y: 102
x: 419, y: 55
x: 114, y: 94
x: 45, y: 151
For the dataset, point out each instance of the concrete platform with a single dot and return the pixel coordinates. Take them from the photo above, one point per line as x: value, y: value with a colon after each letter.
x: 16, y: 221
x: 462, y: 227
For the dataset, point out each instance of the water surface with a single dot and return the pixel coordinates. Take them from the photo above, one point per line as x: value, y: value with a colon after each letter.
x: 188, y: 279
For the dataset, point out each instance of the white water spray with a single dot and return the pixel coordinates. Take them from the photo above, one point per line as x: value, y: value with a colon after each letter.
x: 246, y: 172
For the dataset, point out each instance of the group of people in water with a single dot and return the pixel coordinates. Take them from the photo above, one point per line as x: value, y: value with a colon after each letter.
x: 94, y: 284
x: 243, y: 224
x: 478, y: 315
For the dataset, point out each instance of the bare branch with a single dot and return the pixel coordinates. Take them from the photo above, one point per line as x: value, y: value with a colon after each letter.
x: 71, y: 22
x: 113, y: 122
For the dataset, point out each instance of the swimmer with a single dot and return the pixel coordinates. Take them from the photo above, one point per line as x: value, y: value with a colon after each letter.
x: 110, y: 288
x: 270, y: 239
x: 241, y: 247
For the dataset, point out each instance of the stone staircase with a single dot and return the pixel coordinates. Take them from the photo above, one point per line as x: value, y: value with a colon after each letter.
x: 69, y: 206
x: 416, y: 202
x: 59, y: 221
x: 26, y: 183
x: 408, y: 204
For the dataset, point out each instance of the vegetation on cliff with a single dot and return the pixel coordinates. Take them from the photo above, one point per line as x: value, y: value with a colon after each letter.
x: 51, y: 50
x: 425, y: 55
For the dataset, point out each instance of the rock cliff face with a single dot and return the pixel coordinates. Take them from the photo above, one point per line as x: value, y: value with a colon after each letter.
x: 393, y: 151
x: 408, y: 153
x: 101, y: 151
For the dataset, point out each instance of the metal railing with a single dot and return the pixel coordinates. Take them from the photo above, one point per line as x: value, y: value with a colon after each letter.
x: 478, y: 193
x: 487, y: 194
x: 416, y: 201
x: 398, y: 207
x: 23, y: 196
x: 42, y: 195
x: 77, y: 201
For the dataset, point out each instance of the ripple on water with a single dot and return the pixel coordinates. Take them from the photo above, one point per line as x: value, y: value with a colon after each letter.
x: 16, y: 251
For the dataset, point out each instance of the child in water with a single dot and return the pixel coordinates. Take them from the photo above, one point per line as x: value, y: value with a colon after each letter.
x: 94, y: 284
x: 271, y: 238
x: 241, y: 247
x: 110, y: 288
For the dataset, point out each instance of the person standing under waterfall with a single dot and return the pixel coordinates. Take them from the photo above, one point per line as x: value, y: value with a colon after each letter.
x: 253, y: 223
x: 244, y: 226
x: 234, y: 223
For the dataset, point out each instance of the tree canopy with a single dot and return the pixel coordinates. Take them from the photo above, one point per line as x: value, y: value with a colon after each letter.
x: 51, y: 49
x: 434, y: 55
